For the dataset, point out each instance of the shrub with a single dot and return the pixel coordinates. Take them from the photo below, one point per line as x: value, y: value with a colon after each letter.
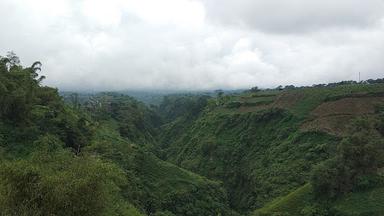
x: 60, y: 184
x: 355, y: 164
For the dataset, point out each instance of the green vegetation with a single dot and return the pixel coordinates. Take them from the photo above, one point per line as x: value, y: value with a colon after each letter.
x: 309, y: 98
x: 57, y: 183
x: 285, y: 151
x: 133, y: 119
x: 302, y: 202
x: 347, y: 184
x: 292, y: 204
x: 369, y: 202
x: 258, y: 156
x: 355, y: 163
x: 255, y: 143
x: 43, y: 170
x: 156, y: 186
x: 88, y: 158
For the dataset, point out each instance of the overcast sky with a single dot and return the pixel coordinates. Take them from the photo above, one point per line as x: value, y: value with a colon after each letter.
x: 195, y: 44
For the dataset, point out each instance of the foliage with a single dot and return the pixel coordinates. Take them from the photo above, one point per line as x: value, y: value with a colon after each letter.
x: 28, y: 109
x: 157, y: 187
x: 253, y: 141
x: 57, y: 183
x: 258, y: 156
x: 367, y: 202
x: 358, y: 156
x: 298, y: 202
x: 40, y: 137
x: 99, y: 154
x: 135, y: 121
x: 176, y: 106
x: 303, y: 202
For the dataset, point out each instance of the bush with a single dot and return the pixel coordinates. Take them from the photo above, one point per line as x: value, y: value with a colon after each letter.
x: 60, y: 184
x: 314, y: 210
x: 368, y: 181
x: 233, y: 104
x: 355, y: 164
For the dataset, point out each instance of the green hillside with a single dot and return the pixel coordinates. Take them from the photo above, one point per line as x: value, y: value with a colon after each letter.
x: 303, y: 202
x: 43, y: 170
x: 264, y: 144
x: 77, y: 159
x: 368, y: 202
x: 295, y: 203
x: 156, y: 186
x: 286, y: 151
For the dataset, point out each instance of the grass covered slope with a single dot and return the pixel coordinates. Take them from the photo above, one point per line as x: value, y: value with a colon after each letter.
x: 155, y: 186
x: 259, y: 143
x: 370, y: 202
x: 303, y: 202
x: 292, y: 204
x: 349, y: 183
x: 258, y: 156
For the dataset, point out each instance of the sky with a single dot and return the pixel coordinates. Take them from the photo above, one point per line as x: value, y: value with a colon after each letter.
x: 195, y: 44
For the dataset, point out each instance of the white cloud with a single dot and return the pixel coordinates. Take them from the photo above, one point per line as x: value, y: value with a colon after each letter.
x: 183, y: 13
x: 292, y: 16
x: 173, y: 44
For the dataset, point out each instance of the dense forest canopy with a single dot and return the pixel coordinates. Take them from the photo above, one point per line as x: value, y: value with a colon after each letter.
x: 66, y: 159
x: 315, y: 150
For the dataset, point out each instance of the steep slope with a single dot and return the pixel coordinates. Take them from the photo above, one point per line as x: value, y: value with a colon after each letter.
x: 42, y: 168
x: 369, y: 202
x: 157, y: 186
x: 303, y: 202
x: 258, y: 156
x: 89, y: 159
x: 350, y: 183
x: 263, y: 145
x: 279, y: 152
x: 294, y: 203
x: 135, y: 121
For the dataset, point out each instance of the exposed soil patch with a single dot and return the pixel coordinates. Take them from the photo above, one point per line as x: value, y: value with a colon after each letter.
x: 288, y: 99
x: 348, y: 106
x: 334, y: 117
x: 335, y: 125
x: 245, y: 109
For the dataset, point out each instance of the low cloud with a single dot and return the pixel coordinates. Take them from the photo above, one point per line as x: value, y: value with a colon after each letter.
x: 296, y: 16
x: 183, y: 44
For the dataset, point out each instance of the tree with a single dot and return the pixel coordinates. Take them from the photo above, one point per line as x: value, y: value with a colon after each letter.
x: 56, y: 183
x: 357, y: 157
x: 13, y: 59
x: 254, y: 89
x: 219, y: 93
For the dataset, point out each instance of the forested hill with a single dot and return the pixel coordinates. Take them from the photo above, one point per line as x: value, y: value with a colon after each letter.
x: 60, y: 159
x: 325, y: 141
x: 285, y: 151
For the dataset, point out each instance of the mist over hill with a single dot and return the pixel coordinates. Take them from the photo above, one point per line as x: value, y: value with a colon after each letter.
x: 310, y: 150
x: 191, y: 108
